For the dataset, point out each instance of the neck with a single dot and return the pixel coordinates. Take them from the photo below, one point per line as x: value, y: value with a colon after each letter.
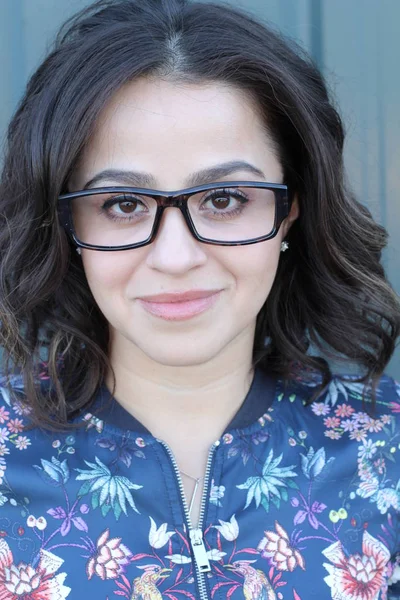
x: 178, y: 403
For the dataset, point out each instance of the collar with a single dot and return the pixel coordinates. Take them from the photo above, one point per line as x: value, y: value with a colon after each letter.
x: 257, y: 401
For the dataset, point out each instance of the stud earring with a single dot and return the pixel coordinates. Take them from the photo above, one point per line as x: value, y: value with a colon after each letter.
x: 284, y: 246
x: 79, y: 251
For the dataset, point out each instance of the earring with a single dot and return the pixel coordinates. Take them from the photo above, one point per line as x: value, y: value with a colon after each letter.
x: 79, y: 251
x: 284, y: 246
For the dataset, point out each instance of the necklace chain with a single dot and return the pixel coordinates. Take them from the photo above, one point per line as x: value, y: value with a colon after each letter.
x: 197, y: 481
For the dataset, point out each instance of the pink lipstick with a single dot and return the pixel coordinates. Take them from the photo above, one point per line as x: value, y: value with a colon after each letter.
x: 179, y: 306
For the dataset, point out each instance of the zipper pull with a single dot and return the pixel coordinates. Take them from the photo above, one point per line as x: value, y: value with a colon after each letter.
x: 199, y: 550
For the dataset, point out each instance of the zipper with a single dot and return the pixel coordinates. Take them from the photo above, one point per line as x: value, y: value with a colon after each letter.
x: 202, y: 562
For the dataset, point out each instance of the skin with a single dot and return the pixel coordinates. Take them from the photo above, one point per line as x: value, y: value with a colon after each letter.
x: 170, y: 131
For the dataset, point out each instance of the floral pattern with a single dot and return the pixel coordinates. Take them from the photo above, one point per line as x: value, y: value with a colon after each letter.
x: 303, y: 501
x: 358, y: 576
x: 110, y: 558
x: 107, y: 491
x: 271, y: 485
x: 25, y: 581
x: 276, y: 546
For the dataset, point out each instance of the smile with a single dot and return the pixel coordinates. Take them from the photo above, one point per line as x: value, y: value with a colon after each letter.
x: 179, y: 306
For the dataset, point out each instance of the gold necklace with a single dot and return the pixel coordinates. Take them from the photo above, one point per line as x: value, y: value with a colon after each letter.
x: 197, y: 481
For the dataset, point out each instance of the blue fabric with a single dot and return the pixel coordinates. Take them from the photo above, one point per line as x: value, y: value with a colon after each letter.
x: 303, y: 502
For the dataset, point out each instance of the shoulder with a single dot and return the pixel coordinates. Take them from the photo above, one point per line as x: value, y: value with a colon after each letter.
x: 352, y: 409
x: 12, y: 397
x: 360, y: 431
x: 349, y: 409
x: 14, y: 414
x: 10, y: 386
x: 353, y: 440
x: 346, y: 388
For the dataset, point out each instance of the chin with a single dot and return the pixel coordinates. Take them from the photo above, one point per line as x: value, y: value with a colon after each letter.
x: 188, y: 353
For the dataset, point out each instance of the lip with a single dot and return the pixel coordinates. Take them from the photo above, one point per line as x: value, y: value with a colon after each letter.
x: 179, y: 296
x: 179, y: 306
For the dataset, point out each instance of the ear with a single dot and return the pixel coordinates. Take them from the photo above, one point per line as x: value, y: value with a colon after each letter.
x: 292, y: 216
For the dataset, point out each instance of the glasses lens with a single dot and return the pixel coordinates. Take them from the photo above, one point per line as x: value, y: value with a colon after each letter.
x: 233, y: 214
x: 113, y: 219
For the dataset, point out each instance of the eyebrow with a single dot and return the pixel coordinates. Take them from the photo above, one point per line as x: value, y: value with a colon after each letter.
x: 146, y: 180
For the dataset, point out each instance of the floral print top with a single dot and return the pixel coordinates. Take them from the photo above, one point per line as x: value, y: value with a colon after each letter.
x: 302, y: 502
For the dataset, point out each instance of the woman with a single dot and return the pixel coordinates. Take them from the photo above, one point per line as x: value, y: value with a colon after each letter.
x: 178, y: 251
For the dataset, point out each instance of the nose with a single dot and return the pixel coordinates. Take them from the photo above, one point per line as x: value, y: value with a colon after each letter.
x: 175, y: 250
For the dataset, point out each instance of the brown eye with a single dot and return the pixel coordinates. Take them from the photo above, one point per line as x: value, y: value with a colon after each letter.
x: 128, y: 206
x: 224, y: 202
x: 221, y: 202
x: 124, y: 206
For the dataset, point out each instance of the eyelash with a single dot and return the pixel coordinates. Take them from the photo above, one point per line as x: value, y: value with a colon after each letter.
x: 243, y: 199
x: 117, y: 200
x: 235, y: 192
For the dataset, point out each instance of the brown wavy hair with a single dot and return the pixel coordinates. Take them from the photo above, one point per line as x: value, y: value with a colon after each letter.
x: 330, y: 291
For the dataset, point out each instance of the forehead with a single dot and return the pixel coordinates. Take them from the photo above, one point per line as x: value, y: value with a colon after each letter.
x: 170, y: 129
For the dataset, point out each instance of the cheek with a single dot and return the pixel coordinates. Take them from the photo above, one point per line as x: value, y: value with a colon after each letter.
x: 261, y: 274
x: 253, y: 268
x: 108, y: 273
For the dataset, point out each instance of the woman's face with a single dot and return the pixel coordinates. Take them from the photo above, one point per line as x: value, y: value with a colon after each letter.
x: 172, y: 131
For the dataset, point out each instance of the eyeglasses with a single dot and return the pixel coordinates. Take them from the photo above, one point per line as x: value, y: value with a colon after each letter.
x: 226, y: 214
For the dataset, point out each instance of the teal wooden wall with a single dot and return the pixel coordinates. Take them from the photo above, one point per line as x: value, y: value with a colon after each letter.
x: 356, y: 44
